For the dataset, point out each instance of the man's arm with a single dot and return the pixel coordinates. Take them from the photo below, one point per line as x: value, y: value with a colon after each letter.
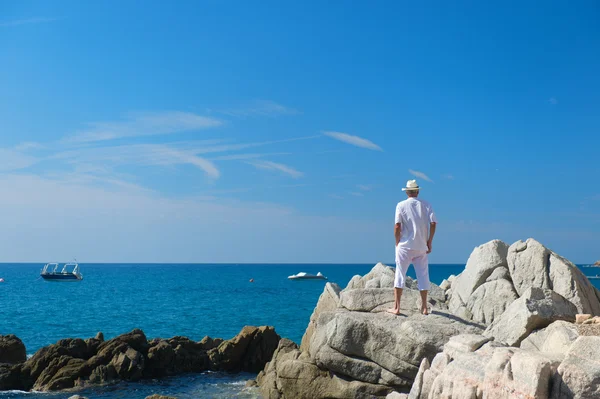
x: 397, y: 232
x: 431, y: 234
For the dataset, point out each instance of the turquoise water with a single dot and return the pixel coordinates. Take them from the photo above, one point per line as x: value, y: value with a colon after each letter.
x: 164, y: 301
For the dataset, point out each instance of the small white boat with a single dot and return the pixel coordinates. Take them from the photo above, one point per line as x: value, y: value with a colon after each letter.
x: 307, y: 276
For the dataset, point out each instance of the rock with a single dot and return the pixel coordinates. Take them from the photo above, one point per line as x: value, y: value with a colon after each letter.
x: 593, y: 320
x: 249, y: 351
x: 490, y: 300
x: 524, y: 374
x: 378, y: 272
x: 445, y: 285
x: 464, y: 343
x: 208, y: 343
x: 99, y: 336
x: 535, y: 309
x: 500, y: 273
x: 75, y: 363
x: 578, y: 376
x: 397, y: 395
x: 489, y: 372
x: 533, y: 265
x: 129, y: 365
x: 250, y: 384
x: 12, y: 349
x: 597, y: 263
x: 77, y: 397
x: 298, y: 378
x: 328, y: 301
x: 156, y: 396
x: 580, y: 318
x: 379, y: 299
x: 554, y: 340
x: 481, y: 264
x: 395, y: 345
x: 415, y: 391
x: 11, y: 378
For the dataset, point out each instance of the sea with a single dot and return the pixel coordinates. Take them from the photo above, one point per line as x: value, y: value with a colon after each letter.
x: 166, y: 300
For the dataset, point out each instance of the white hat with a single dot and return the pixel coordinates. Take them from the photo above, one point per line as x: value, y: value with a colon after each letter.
x: 411, y: 185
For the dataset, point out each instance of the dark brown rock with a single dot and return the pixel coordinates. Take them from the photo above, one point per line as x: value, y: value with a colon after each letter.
x: 12, y: 349
x: 248, y: 351
x: 75, y: 363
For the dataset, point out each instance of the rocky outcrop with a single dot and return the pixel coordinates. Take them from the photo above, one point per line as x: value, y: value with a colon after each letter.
x: 355, y: 349
x: 501, y: 329
x: 12, y: 349
x: 76, y: 363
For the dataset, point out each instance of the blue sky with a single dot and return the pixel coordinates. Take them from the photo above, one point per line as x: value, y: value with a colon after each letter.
x: 226, y: 131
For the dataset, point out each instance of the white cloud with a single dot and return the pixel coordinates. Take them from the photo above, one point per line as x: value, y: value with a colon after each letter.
x: 28, y: 145
x: 268, y: 165
x: 553, y: 100
x: 260, y: 108
x: 26, y: 21
x: 99, y: 225
x: 420, y: 175
x: 356, y: 194
x: 15, y: 160
x: 238, y: 157
x: 145, y: 124
x: 448, y: 176
x: 364, y: 187
x: 353, y: 140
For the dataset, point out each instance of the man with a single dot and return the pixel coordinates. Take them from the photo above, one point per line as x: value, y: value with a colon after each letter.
x: 414, y: 231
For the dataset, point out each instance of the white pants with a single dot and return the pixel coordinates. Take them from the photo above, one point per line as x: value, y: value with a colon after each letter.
x: 404, y: 257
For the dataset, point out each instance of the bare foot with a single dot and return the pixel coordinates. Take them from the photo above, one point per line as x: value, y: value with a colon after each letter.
x: 393, y: 311
x: 425, y: 311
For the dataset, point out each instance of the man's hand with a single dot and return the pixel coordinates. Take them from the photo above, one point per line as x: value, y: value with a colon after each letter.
x: 429, y: 247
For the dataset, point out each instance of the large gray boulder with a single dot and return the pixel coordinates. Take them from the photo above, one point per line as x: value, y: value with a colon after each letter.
x: 468, y: 369
x: 533, y: 265
x: 481, y: 264
x: 578, y: 376
x: 490, y: 300
x: 535, y: 309
x: 328, y: 301
x: 395, y: 345
x: 554, y: 340
x: 291, y: 374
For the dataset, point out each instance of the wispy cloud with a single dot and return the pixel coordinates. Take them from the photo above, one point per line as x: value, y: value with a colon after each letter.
x: 353, y: 140
x: 268, y: 165
x: 448, y: 176
x: 28, y: 145
x: 144, y: 124
x: 14, y: 160
x: 241, y: 157
x: 335, y: 196
x: 356, y: 194
x: 26, y: 21
x: 420, y: 175
x: 553, y: 100
x: 364, y: 187
x: 260, y: 108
